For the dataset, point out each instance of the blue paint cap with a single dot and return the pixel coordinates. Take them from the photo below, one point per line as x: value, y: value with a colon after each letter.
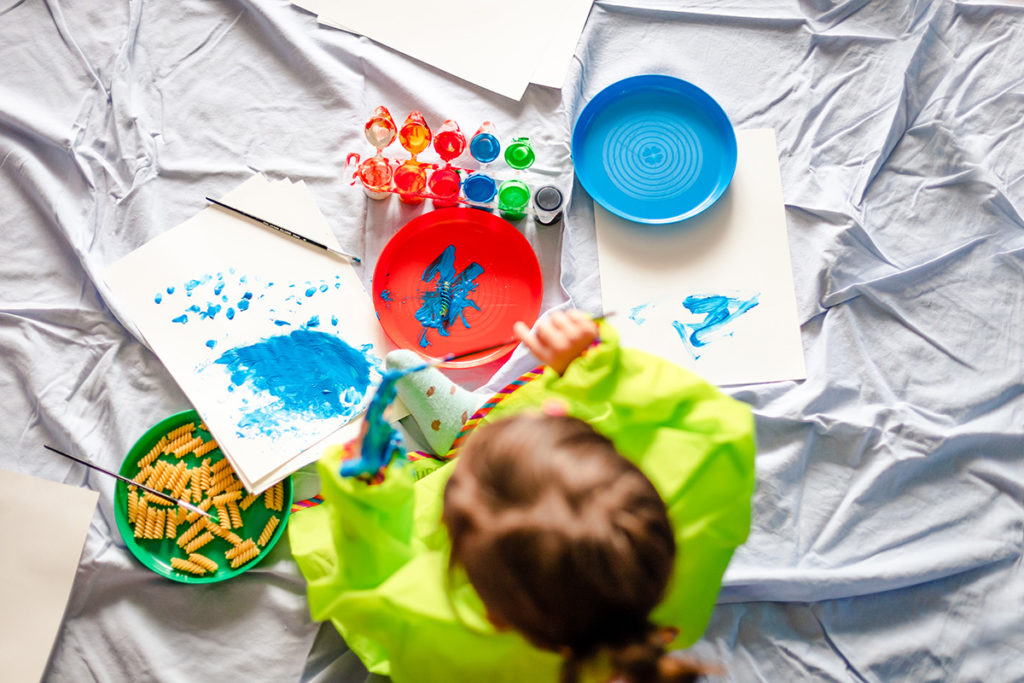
x: 485, y: 146
x: 479, y: 188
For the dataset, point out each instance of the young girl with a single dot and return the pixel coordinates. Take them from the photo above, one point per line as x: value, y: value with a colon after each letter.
x: 580, y: 533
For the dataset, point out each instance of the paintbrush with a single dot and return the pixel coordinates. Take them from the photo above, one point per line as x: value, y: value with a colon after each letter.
x: 448, y: 358
x: 188, y: 506
x: 286, y: 231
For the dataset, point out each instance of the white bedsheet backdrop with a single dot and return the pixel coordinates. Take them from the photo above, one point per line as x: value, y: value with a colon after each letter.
x: 889, y: 513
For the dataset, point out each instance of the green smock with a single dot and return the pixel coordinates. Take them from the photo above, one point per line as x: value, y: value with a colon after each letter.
x: 376, y: 556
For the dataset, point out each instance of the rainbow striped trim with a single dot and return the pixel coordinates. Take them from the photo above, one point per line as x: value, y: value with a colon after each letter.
x: 483, y: 410
x: 471, y: 424
x: 308, y: 503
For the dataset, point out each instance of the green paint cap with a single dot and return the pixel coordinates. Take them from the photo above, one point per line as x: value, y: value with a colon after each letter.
x: 519, y: 155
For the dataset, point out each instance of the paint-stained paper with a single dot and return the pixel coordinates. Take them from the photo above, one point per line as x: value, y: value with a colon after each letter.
x: 713, y: 293
x: 274, y: 342
x: 43, y: 525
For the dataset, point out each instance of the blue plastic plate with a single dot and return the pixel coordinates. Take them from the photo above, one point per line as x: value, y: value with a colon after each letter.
x: 654, y: 149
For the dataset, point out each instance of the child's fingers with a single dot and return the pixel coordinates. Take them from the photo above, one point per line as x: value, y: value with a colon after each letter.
x: 563, y: 323
x: 521, y: 331
x: 582, y: 319
x: 551, y: 336
x: 529, y: 339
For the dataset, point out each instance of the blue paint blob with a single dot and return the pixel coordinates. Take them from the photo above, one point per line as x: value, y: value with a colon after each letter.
x: 718, y: 310
x: 334, y: 320
x: 180, y: 319
x: 337, y: 285
x: 211, y: 343
x: 323, y: 288
x: 314, y: 321
x: 385, y: 295
x: 248, y: 295
x: 218, y: 289
x: 450, y: 298
x: 170, y: 290
x: 310, y: 292
x: 211, y: 311
x: 193, y: 308
x: 243, y: 305
x: 158, y: 298
x: 230, y: 313
x: 281, y: 323
x: 192, y: 284
x: 310, y: 373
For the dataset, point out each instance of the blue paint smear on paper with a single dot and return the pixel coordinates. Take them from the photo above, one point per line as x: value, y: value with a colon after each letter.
x: 230, y: 313
x: 313, y: 322
x: 281, y: 323
x: 334, y: 320
x: 180, y: 319
x: 158, y: 298
x: 635, y: 314
x: 311, y: 291
x: 211, y: 343
x: 309, y: 373
x: 449, y: 299
x: 170, y: 290
x: 718, y: 310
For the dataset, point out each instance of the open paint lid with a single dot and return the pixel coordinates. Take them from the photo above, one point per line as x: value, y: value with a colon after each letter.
x: 654, y: 149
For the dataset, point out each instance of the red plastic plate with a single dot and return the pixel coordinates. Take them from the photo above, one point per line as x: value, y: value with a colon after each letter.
x: 508, y: 289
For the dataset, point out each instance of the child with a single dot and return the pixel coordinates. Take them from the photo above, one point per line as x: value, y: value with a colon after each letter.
x: 553, y: 547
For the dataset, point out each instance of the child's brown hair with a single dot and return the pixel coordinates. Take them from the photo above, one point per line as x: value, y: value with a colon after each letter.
x: 565, y: 541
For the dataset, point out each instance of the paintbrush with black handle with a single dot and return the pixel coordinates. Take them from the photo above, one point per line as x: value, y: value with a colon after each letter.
x: 188, y: 506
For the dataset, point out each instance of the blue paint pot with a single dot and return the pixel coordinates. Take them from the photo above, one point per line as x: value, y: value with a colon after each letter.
x: 485, y: 146
x: 479, y: 188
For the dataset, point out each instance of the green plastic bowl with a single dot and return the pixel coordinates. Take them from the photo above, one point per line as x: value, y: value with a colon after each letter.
x: 157, y: 553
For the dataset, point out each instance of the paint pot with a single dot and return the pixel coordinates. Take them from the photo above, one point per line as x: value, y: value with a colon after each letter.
x: 410, y: 180
x: 375, y: 174
x: 449, y: 142
x: 414, y: 134
x: 519, y: 155
x: 479, y: 188
x: 444, y: 182
x: 548, y: 204
x: 380, y: 130
x: 485, y: 146
x: 513, y: 198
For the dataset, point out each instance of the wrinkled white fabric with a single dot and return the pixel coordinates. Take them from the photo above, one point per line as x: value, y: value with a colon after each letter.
x: 889, y: 512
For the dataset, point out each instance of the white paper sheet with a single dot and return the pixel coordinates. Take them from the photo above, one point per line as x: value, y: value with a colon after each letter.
x: 554, y: 65
x: 43, y: 525
x: 496, y: 45
x: 737, y: 250
x: 225, y: 303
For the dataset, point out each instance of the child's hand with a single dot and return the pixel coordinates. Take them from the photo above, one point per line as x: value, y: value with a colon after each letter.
x: 559, y: 339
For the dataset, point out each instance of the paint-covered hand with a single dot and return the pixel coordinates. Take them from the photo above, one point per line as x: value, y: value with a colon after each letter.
x: 560, y: 338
